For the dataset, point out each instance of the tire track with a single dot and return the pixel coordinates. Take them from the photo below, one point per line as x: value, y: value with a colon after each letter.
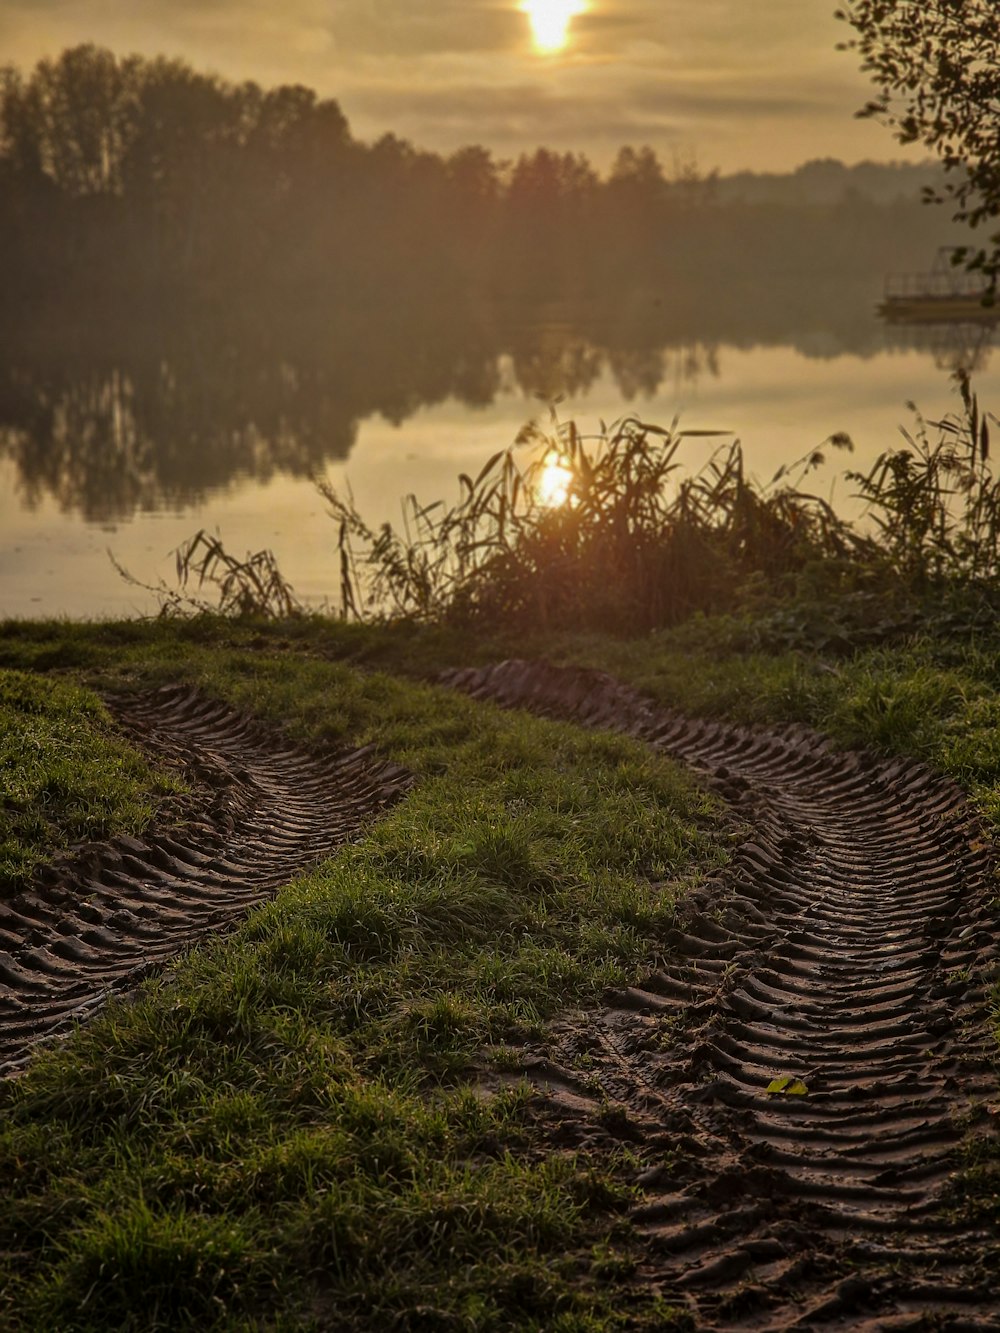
x: 94, y: 927
x: 850, y: 946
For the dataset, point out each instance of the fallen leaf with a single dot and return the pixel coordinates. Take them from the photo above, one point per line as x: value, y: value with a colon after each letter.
x: 788, y: 1085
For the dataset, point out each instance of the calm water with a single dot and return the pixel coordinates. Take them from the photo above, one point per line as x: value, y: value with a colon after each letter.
x: 130, y: 452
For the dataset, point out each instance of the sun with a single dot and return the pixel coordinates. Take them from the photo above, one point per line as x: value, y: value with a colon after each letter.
x: 550, y: 21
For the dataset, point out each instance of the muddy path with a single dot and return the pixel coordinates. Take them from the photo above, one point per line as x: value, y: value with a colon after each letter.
x: 848, y: 949
x: 98, y: 923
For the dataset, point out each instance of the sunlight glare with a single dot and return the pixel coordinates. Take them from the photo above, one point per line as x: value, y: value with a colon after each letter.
x: 554, y: 481
x: 550, y: 21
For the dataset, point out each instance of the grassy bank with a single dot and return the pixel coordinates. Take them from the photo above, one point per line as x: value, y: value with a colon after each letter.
x: 289, y: 1128
x: 284, y: 1131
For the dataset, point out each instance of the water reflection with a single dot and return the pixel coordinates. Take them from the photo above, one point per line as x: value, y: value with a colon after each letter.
x: 111, y: 424
x: 159, y: 413
x: 957, y: 345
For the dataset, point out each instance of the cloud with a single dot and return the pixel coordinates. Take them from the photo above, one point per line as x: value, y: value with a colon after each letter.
x: 747, y: 85
x: 513, y: 118
x: 402, y: 27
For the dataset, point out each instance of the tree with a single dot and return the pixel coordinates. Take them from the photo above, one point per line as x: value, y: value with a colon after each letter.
x: 546, y: 221
x: 72, y: 119
x: 936, y: 69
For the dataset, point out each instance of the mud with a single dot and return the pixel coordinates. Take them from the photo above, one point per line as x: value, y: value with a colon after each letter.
x: 96, y: 925
x: 849, y: 948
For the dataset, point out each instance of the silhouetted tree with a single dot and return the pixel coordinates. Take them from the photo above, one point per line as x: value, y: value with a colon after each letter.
x: 134, y: 184
x: 474, y: 198
x: 636, y: 190
x: 548, y: 211
x: 181, y: 172
x: 936, y: 69
x: 72, y: 119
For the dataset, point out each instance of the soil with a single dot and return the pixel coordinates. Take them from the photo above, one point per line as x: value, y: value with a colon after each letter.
x: 846, y: 958
x: 97, y: 924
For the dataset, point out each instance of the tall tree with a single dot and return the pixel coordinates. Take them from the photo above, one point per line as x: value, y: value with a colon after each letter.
x: 72, y: 119
x: 936, y: 69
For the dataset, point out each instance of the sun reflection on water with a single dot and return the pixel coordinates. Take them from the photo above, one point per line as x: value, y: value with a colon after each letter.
x: 554, y: 478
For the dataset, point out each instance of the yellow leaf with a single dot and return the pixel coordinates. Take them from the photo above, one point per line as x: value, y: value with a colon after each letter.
x: 787, y: 1084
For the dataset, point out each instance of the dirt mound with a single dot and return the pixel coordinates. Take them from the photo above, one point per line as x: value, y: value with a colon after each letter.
x: 820, y: 1046
x: 98, y: 924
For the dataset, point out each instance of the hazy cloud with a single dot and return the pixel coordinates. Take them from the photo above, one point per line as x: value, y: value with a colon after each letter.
x: 745, y: 85
x: 401, y: 27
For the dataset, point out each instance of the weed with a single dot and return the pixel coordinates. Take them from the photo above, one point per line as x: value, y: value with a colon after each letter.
x: 253, y: 586
x: 936, y: 504
x: 629, y: 545
x: 607, y: 532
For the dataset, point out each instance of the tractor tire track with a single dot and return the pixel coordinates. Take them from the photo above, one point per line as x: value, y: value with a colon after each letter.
x: 850, y: 945
x: 97, y: 925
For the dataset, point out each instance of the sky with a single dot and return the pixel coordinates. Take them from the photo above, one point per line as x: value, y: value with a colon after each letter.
x: 716, y: 84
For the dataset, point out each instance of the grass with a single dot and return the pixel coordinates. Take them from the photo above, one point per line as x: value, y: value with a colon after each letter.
x: 281, y: 1132
x: 285, y: 1131
x: 930, y: 696
x: 253, y: 585
x: 66, y: 777
x: 633, y: 543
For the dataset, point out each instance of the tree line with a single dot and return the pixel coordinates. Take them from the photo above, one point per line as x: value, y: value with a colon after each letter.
x: 125, y: 178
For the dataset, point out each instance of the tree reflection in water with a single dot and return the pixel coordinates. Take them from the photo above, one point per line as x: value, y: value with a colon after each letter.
x: 156, y: 414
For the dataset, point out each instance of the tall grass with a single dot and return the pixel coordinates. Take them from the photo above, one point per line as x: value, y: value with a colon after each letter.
x: 935, y: 505
x: 631, y: 544
x: 635, y: 540
x: 253, y: 586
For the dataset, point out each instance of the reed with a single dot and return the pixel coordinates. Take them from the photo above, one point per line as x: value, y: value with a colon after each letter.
x: 631, y: 544
x: 935, y: 505
x: 253, y: 586
x: 634, y: 540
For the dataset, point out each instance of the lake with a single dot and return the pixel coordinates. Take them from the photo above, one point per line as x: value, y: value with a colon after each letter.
x: 127, y: 448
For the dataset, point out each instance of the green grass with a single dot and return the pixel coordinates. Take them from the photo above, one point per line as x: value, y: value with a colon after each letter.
x: 282, y: 1133
x: 287, y: 1129
x: 65, y: 776
x: 933, y: 697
